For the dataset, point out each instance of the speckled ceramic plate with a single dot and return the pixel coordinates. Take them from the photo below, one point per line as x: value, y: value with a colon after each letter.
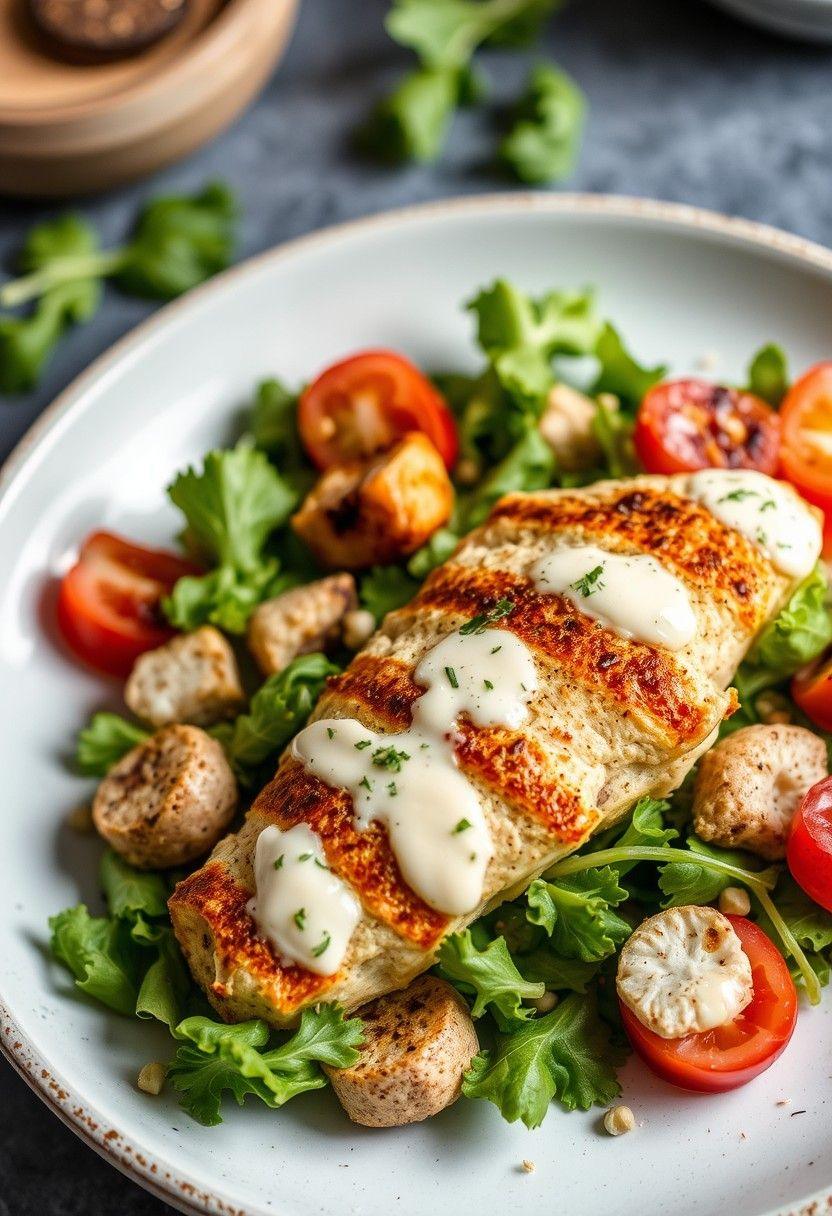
x: 682, y: 284
x: 809, y: 20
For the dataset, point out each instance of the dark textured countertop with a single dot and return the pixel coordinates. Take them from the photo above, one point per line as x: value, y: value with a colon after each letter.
x: 686, y: 104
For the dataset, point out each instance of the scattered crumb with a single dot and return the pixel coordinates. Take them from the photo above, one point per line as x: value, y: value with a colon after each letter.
x: 151, y: 1078
x: 783, y: 1102
x: 743, y: 1136
x: 528, y: 1166
x: 707, y: 361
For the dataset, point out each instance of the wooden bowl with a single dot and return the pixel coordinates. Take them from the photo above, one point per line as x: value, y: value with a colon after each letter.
x: 74, y: 128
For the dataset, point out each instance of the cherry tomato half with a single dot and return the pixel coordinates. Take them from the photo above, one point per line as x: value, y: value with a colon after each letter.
x: 812, y: 690
x: 809, y: 851
x: 729, y: 1056
x: 364, y: 404
x: 108, y: 603
x: 683, y: 425
x: 806, y: 455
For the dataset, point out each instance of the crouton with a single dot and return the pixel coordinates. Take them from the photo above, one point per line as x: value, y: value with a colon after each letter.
x: 168, y: 800
x: 299, y: 621
x: 193, y: 678
x: 749, y: 786
x: 418, y: 1043
x: 367, y: 513
x: 567, y: 426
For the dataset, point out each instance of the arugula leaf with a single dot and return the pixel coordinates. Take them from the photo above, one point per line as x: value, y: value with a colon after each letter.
x: 489, y: 975
x: 529, y: 465
x: 768, y: 374
x: 577, y: 913
x: 565, y: 1055
x: 685, y: 882
x: 277, y: 711
x: 103, y: 741
x: 620, y: 374
x: 214, y: 1059
x: 542, y: 145
x: 231, y: 507
x: 26, y: 342
x: 95, y: 949
x: 520, y: 335
x: 386, y: 588
x: 178, y: 242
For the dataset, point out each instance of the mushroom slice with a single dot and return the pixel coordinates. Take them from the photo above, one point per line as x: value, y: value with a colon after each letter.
x: 684, y: 971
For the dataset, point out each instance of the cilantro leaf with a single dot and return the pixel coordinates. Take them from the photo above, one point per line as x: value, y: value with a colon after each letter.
x: 103, y: 741
x: 620, y: 374
x: 577, y: 913
x: 768, y: 374
x: 565, y: 1055
x: 178, y: 242
x: 26, y: 342
x: 520, y: 335
x: 277, y: 711
x: 386, y: 588
x: 542, y: 146
x: 215, y: 1058
x: 231, y: 507
x: 489, y: 975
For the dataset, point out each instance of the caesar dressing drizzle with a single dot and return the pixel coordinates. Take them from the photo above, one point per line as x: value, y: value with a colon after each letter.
x: 631, y: 594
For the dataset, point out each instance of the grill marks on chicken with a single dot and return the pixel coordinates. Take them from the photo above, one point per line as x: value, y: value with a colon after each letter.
x: 613, y: 720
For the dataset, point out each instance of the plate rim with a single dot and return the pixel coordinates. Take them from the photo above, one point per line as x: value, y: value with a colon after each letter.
x: 171, y: 1185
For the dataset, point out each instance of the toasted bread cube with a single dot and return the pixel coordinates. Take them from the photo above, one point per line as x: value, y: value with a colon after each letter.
x: 193, y: 678
x: 300, y: 621
x: 364, y: 514
x: 168, y: 800
x: 418, y: 1043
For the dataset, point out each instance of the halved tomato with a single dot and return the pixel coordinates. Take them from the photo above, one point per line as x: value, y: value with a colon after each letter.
x: 108, y: 603
x: 366, y: 403
x: 684, y: 425
x: 806, y: 454
x: 812, y: 690
x: 730, y: 1055
x: 809, y: 851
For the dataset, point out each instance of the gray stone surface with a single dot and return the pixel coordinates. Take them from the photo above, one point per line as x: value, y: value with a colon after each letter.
x: 686, y: 104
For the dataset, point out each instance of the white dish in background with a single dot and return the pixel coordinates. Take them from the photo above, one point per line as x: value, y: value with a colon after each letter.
x: 681, y: 284
x: 806, y: 19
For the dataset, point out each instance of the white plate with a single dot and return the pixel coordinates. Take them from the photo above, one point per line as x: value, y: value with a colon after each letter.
x: 681, y: 284
x: 805, y: 19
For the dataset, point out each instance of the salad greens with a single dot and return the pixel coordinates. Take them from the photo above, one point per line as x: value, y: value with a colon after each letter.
x: 562, y: 936
x: 177, y: 242
x: 543, y: 143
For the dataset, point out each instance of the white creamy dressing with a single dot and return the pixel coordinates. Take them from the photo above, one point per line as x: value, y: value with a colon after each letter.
x: 305, y: 911
x: 765, y: 511
x: 631, y: 594
x: 410, y: 783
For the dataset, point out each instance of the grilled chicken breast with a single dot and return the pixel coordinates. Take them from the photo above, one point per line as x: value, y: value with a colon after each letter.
x: 614, y: 719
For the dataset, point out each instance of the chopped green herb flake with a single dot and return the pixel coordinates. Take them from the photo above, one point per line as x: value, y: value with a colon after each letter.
x: 462, y: 826
x: 366, y: 783
x: 362, y: 743
x: 330, y: 732
x: 488, y: 685
x: 300, y: 917
x: 739, y: 495
x: 278, y: 865
x: 392, y: 790
x: 304, y: 857
x: 322, y: 946
x: 321, y: 864
x: 590, y: 582
x: 477, y: 624
x: 389, y: 758
x: 768, y: 505
x: 496, y: 649
x: 452, y: 680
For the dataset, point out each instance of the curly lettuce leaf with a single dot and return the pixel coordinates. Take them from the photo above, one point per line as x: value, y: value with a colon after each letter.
x: 620, y: 373
x: 489, y: 975
x: 577, y: 912
x: 799, y: 633
x: 96, y: 950
x: 566, y: 1055
x: 103, y: 741
x: 214, y: 1059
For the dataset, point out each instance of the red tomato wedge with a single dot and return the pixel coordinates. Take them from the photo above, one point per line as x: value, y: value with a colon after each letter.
x: 683, y: 425
x: 730, y: 1055
x: 108, y: 603
x: 809, y: 851
x: 812, y: 690
x: 364, y: 404
x: 806, y: 455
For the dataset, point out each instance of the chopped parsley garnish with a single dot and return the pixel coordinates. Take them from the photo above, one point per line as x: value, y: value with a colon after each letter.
x: 388, y: 757
x: 300, y: 917
x: 392, y: 789
x: 321, y: 864
x: 330, y: 732
x: 322, y: 945
x: 366, y: 783
x: 452, y: 680
x: 739, y: 495
x: 590, y: 582
x: 761, y: 537
x: 477, y: 624
x: 304, y: 856
x: 362, y: 743
x: 462, y: 826
x: 423, y: 746
x: 278, y: 865
x: 488, y: 685
x: 496, y: 648
x: 768, y: 505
